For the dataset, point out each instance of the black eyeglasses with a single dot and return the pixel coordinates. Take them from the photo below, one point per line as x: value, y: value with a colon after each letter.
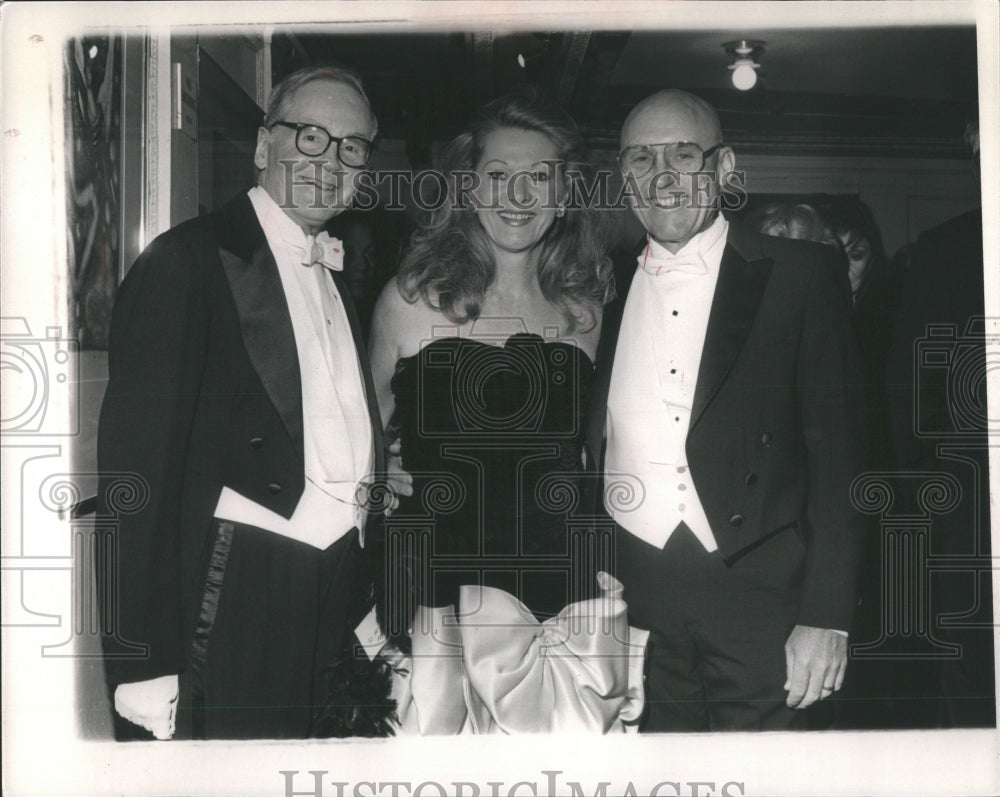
x: 681, y: 156
x: 312, y: 140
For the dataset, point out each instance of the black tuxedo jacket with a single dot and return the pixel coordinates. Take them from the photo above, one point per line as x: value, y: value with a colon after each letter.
x: 204, y: 391
x: 775, y: 437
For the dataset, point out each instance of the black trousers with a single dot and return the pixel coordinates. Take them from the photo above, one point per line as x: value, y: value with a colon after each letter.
x: 279, y: 615
x: 716, y: 659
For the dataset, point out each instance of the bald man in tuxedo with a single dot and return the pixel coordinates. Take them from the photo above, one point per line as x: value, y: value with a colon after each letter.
x: 727, y: 392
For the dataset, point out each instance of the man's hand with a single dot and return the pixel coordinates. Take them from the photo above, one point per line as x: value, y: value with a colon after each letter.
x: 151, y: 704
x: 815, y: 660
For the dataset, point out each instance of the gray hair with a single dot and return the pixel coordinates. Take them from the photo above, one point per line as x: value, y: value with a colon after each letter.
x: 284, y: 91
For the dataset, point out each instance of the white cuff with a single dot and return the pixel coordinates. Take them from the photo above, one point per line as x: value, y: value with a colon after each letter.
x: 151, y: 704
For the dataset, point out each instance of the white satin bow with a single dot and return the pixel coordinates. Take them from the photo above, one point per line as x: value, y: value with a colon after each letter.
x: 325, y: 250
x: 656, y: 264
x: 496, y: 669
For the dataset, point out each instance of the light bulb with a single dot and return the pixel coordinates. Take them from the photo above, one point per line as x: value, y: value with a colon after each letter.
x: 744, y: 77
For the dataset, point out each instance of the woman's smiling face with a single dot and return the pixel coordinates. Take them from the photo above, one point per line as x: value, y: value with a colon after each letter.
x: 516, y: 173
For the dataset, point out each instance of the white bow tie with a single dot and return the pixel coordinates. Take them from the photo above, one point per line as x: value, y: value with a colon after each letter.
x: 657, y: 264
x: 325, y: 250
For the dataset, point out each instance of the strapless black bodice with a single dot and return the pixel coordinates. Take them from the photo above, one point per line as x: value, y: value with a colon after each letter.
x: 492, y: 435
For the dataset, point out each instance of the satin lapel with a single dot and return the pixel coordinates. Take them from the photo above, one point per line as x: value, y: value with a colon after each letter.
x: 737, y: 296
x: 366, y: 371
x: 267, y: 331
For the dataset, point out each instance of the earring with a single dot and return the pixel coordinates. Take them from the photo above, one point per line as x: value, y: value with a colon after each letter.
x: 560, y: 211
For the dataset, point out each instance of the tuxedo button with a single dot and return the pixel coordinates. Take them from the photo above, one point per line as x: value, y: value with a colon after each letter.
x: 766, y: 438
x: 274, y: 488
x: 736, y: 520
x: 751, y: 479
x: 256, y: 442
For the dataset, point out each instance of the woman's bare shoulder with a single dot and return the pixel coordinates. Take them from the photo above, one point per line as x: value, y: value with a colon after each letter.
x: 409, y: 323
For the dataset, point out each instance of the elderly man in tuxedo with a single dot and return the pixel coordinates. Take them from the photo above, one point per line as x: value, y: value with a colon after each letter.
x: 240, y: 395
x: 727, y: 392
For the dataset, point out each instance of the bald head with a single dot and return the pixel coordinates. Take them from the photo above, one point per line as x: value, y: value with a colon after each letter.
x: 674, y: 206
x: 654, y: 120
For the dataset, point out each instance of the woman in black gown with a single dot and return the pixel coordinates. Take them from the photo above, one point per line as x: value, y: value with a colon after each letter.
x: 482, y: 353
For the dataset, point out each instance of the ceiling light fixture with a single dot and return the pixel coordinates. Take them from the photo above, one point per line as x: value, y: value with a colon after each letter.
x: 744, y: 67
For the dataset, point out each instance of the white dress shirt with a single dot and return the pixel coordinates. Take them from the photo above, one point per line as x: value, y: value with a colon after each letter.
x: 337, y: 432
x: 653, y: 383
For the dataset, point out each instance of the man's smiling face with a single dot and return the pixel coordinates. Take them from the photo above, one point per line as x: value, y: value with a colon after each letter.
x: 312, y: 189
x: 676, y: 207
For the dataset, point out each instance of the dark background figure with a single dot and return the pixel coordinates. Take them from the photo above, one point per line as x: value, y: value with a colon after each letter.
x: 374, y: 241
x: 936, y: 387
x: 872, y: 686
x: 875, y: 289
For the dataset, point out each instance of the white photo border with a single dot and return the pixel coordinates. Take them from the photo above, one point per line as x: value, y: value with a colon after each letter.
x: 43, y: 752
